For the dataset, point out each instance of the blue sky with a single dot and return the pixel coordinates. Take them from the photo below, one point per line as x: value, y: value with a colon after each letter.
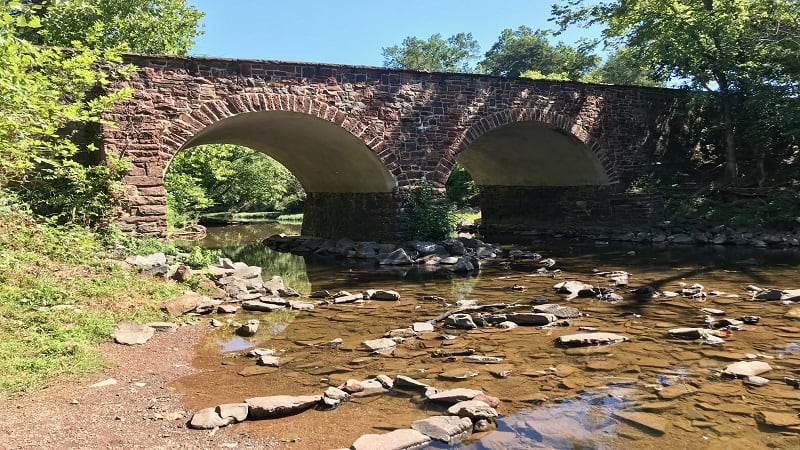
x: 354, y: 31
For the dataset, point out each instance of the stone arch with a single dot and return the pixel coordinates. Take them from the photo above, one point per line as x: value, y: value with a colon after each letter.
x: 184, y: 129
x: 545, y: 119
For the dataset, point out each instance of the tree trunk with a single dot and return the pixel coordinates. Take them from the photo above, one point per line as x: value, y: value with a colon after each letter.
x: 728, y: 128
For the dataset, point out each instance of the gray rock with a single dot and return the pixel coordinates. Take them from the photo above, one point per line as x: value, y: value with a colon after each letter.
x: 404, y: 382
x: 166, y: 327
x: 248, y: 272
x: 260, y: 306
x: 686, y: 333
x: 422, y: 327
x: 474, y: 409
x: 301, y: 306
x: 209, y: 418
x: 398, y: 257
x: 507, y: 325
x: 157, y: 270
x: 562, y: 312
x: 336, y: 393
x: 274, y: 285
x: 482, y: 359
x: 447, y: 429
x: 402, y: 439
x: 461, y: 321
x: 348, y: 299
x: 248, y: 329
x: 382, y: 344
x: 184, y: 303
x: 288, y: 292
x: 268, y: 361
x: 583, y: 339
x: 454, y: 396
x: 466, y: 264
x: 744, y: 369
x: 790, y: 295
x: 385, y: 295
x: 769, y: 294
x: 279, y: 405
x: 149, y: 260
x: 207, y: 306
x: 572, y: 288
x: 236, y: 411
x: 385, y: 381
x: 132, y: 333
x: 531, y: 319
x: 228, y: 309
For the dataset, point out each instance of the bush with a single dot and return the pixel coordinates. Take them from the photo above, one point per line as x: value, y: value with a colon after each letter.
x: 430, y: 214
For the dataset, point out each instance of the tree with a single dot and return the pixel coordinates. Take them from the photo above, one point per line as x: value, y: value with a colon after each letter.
x: 455, y: 54
x: 44, y: 92
x: 721, y: 46
x: 526, y: 50
x: 227, y: 178
x: 145, y: 26
x: 625, y: 68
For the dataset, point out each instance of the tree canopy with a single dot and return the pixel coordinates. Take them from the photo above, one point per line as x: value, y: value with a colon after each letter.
x: 728, y: 47
x: 144, y: 26
x: 436, y: 54
x: 522, y: 50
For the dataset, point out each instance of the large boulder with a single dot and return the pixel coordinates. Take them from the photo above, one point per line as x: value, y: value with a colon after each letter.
x: 276, y: 406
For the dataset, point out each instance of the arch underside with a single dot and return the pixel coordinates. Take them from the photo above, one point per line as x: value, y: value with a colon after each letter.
x: 323, y: 156
x: 530, y: 153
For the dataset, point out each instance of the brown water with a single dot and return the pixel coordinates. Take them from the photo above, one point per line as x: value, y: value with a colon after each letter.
x: 554, y: 397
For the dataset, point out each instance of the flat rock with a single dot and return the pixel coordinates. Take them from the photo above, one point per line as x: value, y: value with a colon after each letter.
x: 394, y: 440
x: 459, y: 374
x: 422, y: 327
x: 132, y: 333
x: 259, y: 306
x: 385, y: 295
x: 778, y: 419
x: 460, y: 321
x: 447, y: 429
x: 454, y: 396
x: 404, y: 382
x: 650, y: 422
x: 268, y: 360
x: 674, y: 391
x: 209, y: 418
x: 744, y: 369
x: 531, y: 319
x: 562, y: 312
x: 380, y: 344
x: 474, y: 409
x: 582, y: 339
x: 280, y: 405
x: 183, y: 303
x: 236, y: 411
x: 167, y: 327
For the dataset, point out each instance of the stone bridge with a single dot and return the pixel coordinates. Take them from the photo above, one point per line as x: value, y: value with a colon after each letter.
x: 546, y: 154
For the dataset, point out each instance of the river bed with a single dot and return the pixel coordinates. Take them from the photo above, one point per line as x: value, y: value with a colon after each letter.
x: 553, y: 397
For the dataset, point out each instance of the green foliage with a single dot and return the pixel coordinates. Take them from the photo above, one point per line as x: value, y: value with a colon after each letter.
x: 143, y: 26
x: 430, y: 214
x: 60, y: 298
x: 728, y: 47
x: 523, y: 50
x: 199, y: 257
x: 454, y: 54
x: 623, y: 67
x: 461, y: 188
x: 227, y: 178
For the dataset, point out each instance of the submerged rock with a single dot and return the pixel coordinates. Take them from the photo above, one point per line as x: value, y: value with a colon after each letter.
x: 581, y: 339
x: 394, y: 440
x: 447, y: 429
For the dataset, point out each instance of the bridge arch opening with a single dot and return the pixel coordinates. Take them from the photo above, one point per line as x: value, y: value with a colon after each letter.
x: 323, y: 156
x: 531, y: 153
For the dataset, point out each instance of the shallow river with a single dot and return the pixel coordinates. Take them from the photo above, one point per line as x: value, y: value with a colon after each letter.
x: 554, y: 397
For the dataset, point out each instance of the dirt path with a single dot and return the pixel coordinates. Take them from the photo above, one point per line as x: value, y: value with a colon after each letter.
x: 140, y: 411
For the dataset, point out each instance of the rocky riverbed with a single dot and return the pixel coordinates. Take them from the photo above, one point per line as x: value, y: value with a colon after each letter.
x: 617, y: 357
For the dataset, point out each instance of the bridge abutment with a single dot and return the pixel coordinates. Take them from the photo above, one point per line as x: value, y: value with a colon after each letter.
x: 372, y: 216
x: 521, y: 208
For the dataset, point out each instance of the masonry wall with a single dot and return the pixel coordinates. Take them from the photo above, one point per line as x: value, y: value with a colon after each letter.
x: 505, y: 209
x: 362, y: 216
x: 416, y: 123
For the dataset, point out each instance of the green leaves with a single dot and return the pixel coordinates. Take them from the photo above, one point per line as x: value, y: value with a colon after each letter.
x: 455, y: 54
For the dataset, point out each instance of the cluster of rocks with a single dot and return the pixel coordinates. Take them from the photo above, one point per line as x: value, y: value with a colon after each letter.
x: 465, y: 410
x: 457, y: 255
x: 718, y: 235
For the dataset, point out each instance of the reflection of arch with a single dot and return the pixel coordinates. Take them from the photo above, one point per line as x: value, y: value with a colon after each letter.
x: 318, y: 143
x: 531, y: 139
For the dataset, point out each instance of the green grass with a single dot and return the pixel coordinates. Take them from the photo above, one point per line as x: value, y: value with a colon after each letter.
x: 61, y: 296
